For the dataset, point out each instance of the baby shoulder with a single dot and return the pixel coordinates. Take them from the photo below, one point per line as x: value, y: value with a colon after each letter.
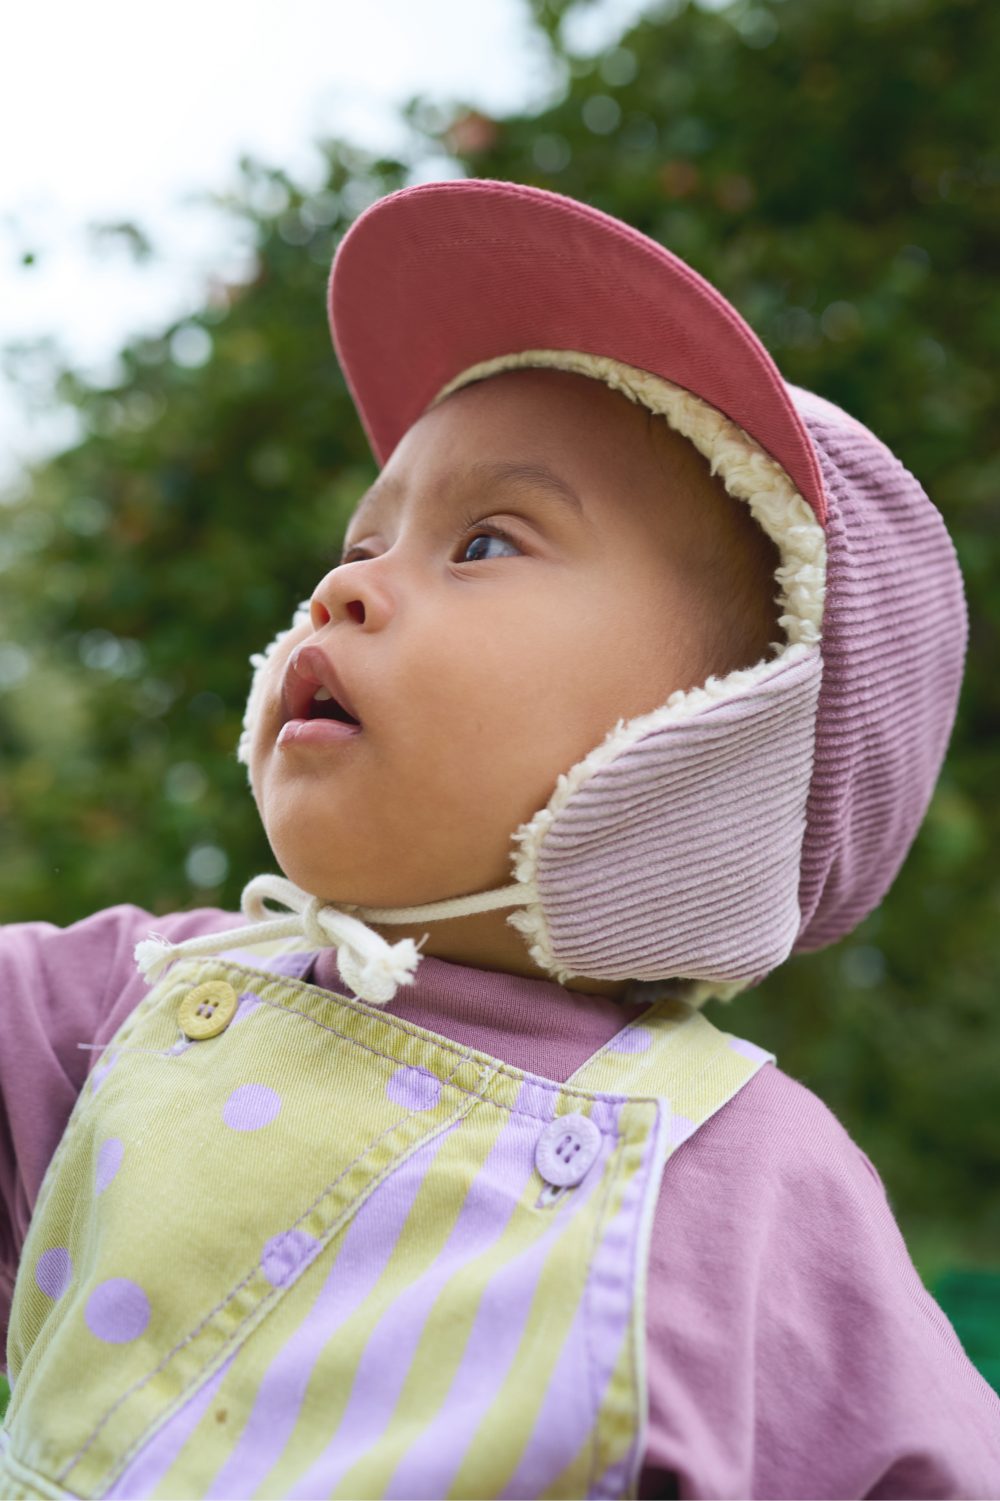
x: 777, y: 1268
x: 797, y: 1212
x: 777, y: 1137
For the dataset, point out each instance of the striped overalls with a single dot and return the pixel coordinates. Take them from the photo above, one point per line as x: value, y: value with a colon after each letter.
x: 293, y: 1246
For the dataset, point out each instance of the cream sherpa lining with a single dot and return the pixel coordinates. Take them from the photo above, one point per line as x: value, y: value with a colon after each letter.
x: 750, y: 475
x: 258, y: 662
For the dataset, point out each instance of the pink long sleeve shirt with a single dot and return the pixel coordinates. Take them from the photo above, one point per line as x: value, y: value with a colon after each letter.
x: 792, y: 1350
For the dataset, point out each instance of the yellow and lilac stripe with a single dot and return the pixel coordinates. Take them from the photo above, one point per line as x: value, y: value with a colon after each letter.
x: 382, y: 1363
x: 500, y: 1250
x: 441, y: 1329
x: 584, y: 1437
x: 368, y: 1242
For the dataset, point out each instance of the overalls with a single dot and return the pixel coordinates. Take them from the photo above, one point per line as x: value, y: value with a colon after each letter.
x: 293, y: 1246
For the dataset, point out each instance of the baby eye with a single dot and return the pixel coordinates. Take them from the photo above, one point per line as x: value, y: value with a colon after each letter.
x: 353, y: 554
x: 489, y: 545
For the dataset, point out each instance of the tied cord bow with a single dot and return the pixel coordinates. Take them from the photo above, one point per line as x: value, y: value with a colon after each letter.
x: 373, y: 968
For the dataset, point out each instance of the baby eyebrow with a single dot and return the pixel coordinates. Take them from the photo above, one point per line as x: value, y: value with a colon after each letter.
x: 486, y: 475
x: 524, y: 472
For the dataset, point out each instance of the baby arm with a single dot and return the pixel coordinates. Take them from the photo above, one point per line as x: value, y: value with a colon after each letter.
x: 793, y: 1350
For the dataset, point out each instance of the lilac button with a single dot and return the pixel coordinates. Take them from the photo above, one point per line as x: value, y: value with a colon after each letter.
x: 566, y: 1150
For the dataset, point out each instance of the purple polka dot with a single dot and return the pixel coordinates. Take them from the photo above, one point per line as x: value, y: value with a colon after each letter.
x: 251, y: 1106
x: 414, y: 1089
x: 101, y: 1072
x: 54, y: 1271
x: 117, y: 1311
x: 631, y: 1040
x: 109, y: 1160
x: 284, y: 1254
x: 748, y: 1049
x: 248, y: 1002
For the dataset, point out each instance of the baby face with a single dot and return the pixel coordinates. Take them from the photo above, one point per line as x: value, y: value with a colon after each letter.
x: 530, y: 567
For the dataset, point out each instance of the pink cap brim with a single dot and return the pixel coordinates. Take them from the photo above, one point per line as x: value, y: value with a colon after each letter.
x: 436, y: 278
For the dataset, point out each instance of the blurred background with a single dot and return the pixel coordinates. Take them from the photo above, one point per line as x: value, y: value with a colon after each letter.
x: 178, y: 453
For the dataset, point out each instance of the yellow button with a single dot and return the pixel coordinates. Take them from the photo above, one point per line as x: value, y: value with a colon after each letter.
x: 207, y: 1010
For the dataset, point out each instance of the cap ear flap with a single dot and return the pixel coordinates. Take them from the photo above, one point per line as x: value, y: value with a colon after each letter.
x: 259, y: 661
x: 672, y: 850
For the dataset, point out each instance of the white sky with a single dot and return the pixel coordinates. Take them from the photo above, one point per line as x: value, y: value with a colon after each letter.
x: 116, y: 110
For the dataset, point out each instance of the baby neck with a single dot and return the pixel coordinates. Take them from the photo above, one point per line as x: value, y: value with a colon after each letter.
x: 485, y: 940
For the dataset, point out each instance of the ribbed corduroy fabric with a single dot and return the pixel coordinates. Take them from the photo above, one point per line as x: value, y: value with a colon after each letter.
x: 894, y: 636
x: 697, y: 826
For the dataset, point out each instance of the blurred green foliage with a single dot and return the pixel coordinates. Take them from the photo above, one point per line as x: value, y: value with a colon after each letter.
x: 971, y: 1299
x: 832, y: 166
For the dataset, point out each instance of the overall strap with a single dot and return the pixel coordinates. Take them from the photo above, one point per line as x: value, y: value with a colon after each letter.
x: 674, y: 1053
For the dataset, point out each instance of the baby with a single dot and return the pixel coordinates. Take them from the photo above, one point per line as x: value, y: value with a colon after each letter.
x: 636, y: 675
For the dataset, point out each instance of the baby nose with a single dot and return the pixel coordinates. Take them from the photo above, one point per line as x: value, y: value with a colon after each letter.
x: 350, y: 592
x: 354, y: 609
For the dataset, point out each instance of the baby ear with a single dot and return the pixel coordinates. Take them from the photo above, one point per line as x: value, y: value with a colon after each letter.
x: 258, y: 662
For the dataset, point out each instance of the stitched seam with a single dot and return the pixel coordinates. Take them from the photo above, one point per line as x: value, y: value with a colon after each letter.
x: 588, y: 1321
x: 498, y: 1067
x: 640, y: 1379
x: 397, y: 1023
x: 388, y: 1057
x: 264, y: 1302
x: 269, y: 1298
x: 28, y: 1475
x: 491, y: 1069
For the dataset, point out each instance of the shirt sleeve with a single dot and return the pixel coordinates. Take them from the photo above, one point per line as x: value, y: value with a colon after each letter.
x: 792, y: 1349
x: 62, y: 990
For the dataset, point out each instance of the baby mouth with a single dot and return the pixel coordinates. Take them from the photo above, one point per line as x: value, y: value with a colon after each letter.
x: 323, y: 705
x: 312, y: 701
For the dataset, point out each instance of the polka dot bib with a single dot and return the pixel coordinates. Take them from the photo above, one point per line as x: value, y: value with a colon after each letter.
x: 290, y: 1245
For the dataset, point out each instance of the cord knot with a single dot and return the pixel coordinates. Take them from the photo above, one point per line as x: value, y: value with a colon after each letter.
x: 312, y: 923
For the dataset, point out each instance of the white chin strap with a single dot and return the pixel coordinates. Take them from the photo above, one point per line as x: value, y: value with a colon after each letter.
x: 371, y: 967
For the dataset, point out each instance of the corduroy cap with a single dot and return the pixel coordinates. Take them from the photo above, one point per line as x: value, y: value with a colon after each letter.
x: 763, y: 812
x: 437, y: 281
